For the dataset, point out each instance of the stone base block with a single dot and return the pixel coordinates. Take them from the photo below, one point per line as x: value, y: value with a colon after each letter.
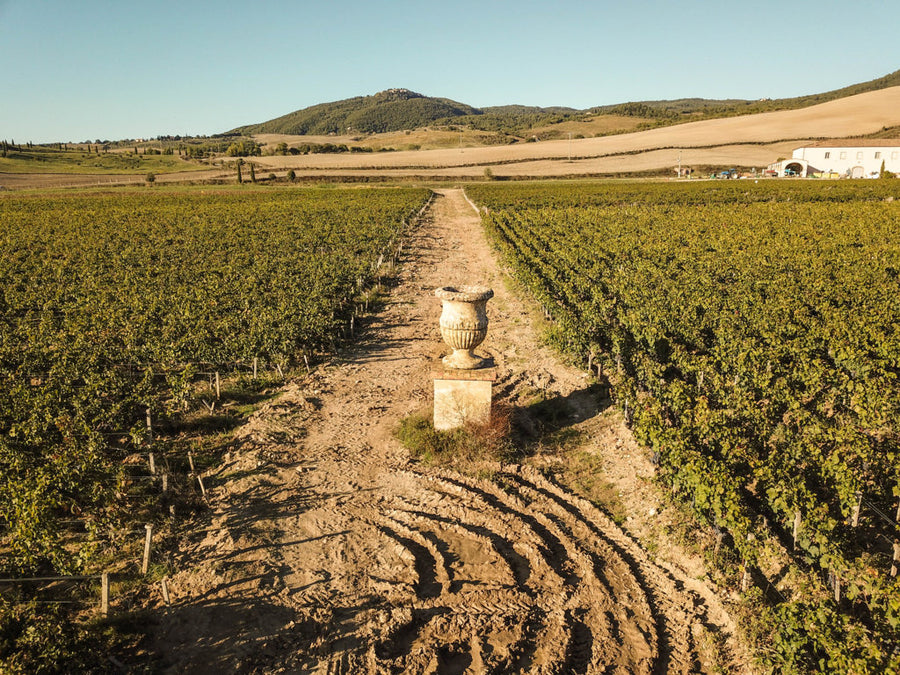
x: 462, y: 396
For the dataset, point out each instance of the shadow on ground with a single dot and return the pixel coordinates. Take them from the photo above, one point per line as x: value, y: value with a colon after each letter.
x: 536, y: 422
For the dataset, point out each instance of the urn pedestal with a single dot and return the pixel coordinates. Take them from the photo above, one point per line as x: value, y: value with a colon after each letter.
x: 464, y: 323
x: 462, y: 397
x: 463, y: 387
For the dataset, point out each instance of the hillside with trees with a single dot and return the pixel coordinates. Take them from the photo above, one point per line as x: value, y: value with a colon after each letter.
x: 690, y: 109
x: 402, y: 109
x: 389, y: 110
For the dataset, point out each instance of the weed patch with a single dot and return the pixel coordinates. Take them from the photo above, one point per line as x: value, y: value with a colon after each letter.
x: 471, y: 444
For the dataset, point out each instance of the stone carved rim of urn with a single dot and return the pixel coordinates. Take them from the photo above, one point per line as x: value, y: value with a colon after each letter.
x: 464, y: 323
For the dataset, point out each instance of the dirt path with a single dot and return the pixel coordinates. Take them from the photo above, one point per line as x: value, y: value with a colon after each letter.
x: 328, y: 551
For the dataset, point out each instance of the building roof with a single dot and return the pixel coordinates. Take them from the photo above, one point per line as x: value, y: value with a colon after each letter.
x: 856, y: 143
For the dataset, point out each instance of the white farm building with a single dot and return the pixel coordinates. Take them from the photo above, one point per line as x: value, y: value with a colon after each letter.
x: 859, y: 158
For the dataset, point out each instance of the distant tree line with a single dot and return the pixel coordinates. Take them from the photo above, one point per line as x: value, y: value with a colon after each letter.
x: 244, y: 148
x: 325, y: 148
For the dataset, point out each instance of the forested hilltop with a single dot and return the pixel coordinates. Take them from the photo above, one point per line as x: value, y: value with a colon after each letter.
x: 389, y: 110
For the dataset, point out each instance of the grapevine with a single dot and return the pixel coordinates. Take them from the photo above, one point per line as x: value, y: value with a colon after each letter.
x: 111, y: 300
x: 752, y: 332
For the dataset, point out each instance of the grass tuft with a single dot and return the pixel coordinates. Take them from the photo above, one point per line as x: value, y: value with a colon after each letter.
x: 472, y: 443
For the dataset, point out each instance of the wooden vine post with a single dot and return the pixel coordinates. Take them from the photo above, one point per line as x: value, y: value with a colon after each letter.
x: 146, y: 564
x: 202, y: 487
x: 895, y: 561
x: 896, y: 558
x: 854, y: 518
x: 165, y: 590
x: 745, y: 570
x: 745, y: 576
x: 104, y: 594
x: 194, y: 473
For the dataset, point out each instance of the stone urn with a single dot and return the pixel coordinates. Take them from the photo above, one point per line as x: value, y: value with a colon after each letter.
x: 464, y: 323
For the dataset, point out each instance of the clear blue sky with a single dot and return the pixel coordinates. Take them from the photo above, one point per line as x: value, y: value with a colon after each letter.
x: 110, y: 69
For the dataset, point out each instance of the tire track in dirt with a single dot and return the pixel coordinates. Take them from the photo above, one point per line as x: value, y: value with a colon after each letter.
x: 344, y: 556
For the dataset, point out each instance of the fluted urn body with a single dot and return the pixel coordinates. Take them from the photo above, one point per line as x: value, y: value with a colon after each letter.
x: 464, y: 323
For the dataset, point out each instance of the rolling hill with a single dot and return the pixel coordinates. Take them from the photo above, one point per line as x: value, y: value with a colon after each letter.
x: 695, y: 108
x: 404, y: 110
x: 736, y: 141
x: 389, y: 110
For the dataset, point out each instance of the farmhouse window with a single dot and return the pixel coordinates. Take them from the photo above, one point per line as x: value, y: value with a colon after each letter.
x: 859, y: 155
x: 877, y: 155
x: 894, y: 154
x: 827, y: 155
x: 843, y: 154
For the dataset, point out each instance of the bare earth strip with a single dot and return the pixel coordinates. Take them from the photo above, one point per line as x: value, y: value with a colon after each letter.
x: 28, y: 181
x: 327, y: 550
x: 726, y: 155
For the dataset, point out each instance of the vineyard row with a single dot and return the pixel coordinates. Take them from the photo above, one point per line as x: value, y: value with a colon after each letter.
x: 751, y: 335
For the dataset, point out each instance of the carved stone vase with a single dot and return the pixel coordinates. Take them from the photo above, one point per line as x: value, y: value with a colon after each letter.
x: 464, y: 323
